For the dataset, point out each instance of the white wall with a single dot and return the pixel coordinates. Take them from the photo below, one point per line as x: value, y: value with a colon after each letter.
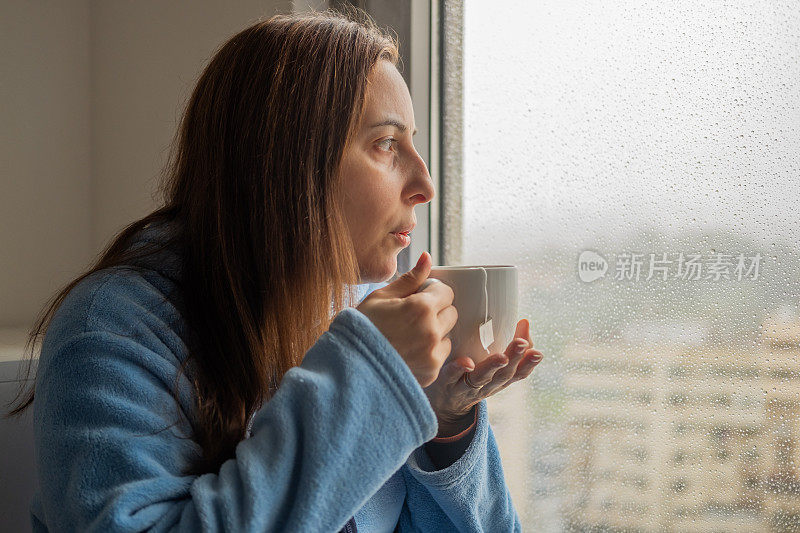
x: 92, y: 92
x: 146, y: 57
x: 45, y: 152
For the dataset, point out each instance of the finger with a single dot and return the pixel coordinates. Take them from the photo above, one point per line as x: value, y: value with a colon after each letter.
x: 516, y: 348
x: 439, y: 295
x: 484, y: 372
x: 447, y: 319
x: 443, y: 351
x: 426, y: 283
x: 521, y: 339
x: 442, y: 293
x: 515, y: 351
x: 533, y: 356
x: 452, y: 371
x: 522, y: 369
x: 529, y: 362
x: 409, y: 282
x: 523, y: 331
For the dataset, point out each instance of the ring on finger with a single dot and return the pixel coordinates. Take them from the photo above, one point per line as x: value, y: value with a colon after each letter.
x: 469, y: 383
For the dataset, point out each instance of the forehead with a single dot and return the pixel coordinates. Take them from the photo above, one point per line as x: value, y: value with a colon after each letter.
x: 386, y: 94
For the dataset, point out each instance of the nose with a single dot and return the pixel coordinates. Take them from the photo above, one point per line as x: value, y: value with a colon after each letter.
x: 420, y: 188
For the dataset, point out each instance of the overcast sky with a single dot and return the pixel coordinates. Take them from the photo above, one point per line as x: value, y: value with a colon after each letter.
x: 587, y: 119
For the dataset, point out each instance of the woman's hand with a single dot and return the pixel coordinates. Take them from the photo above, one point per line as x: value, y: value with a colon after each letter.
x: 415, y: 323
x: 461, y: 385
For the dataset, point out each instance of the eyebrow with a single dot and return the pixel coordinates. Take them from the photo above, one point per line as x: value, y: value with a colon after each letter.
x: 392, y: 122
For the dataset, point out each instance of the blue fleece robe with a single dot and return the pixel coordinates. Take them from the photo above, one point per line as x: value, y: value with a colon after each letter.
x: 342, y: 436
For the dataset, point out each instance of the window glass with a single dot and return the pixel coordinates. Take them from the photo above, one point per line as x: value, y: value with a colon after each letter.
x: 638, y: 161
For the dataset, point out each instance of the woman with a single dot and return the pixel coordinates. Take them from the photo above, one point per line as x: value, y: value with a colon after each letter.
x: 208, y: 373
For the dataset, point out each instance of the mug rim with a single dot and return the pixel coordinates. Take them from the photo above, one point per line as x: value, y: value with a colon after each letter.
x: 471, y: 267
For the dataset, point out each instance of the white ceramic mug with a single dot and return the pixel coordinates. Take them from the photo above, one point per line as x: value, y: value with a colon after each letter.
x: 482, y: 293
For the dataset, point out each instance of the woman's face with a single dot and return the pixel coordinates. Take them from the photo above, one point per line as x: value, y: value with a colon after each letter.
x: 383, y: 176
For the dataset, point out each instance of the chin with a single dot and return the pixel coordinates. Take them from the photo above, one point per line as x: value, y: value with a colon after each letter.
x: 379, y: 272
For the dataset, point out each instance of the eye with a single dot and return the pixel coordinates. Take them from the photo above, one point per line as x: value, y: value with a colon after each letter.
x: 386, y: 144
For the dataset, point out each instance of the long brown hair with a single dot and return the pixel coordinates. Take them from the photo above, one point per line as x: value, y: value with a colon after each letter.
x: 253, y: 177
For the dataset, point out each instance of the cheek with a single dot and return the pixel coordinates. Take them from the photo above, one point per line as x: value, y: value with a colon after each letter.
x: 367, y: 204
x: 369, y: 223
x: 370, y: 207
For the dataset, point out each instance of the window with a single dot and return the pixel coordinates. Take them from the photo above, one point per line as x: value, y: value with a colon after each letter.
x: 659, y: 141
x: 679, y: 485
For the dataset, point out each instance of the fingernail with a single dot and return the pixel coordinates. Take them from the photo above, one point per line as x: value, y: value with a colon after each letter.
x: 502, y: 362
x: 520, y: 347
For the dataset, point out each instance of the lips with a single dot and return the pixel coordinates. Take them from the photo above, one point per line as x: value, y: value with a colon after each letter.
x: 403, y: 238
